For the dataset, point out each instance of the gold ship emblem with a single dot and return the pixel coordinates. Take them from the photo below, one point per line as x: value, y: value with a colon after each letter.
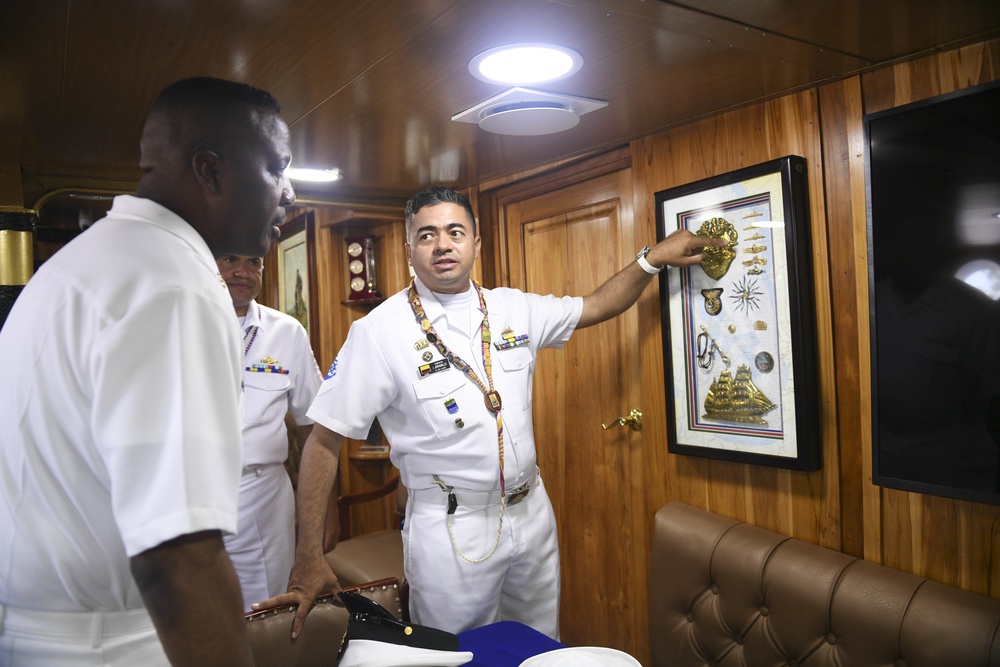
x: 737, y: 400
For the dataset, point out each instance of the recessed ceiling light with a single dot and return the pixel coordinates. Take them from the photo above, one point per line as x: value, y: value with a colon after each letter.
x: 313, y: 175
x: 521, y: 64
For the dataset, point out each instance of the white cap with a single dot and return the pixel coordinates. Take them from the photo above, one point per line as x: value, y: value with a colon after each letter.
x: 582, y: 656
x: 367, y: 653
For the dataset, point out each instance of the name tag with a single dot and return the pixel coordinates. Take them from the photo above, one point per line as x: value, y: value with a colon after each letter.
x: 433, y: 367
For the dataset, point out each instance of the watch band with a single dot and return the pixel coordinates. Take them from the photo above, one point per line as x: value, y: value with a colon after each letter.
x: 645, y: 265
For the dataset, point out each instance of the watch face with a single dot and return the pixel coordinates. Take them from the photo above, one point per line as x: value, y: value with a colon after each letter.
x: 357, y: 284
x: 354, y: 249
x: 356, y: 266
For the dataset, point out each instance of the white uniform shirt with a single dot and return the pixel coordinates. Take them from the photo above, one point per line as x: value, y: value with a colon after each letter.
x: 120, y: 410
x: 377, y: 373
x: 279, y: 374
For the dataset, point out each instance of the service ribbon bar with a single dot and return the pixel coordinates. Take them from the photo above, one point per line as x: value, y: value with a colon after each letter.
x: 266, y: 368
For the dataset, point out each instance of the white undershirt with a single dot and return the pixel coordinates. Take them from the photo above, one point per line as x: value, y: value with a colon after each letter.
x: 457, y: 307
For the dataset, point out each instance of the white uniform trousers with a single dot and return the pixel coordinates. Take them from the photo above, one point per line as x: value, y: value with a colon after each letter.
x: 519, y: 582
x: 31, y: 638
x: 263, y: 548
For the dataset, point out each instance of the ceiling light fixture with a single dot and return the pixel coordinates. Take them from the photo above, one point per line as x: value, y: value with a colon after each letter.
x: 313, y: 175
x: 526, y: 112
x: 522, y: 64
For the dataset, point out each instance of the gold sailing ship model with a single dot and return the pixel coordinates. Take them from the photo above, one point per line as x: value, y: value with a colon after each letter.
x: 737, y: 399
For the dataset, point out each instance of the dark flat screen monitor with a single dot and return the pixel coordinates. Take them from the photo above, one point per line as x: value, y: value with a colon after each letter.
x: 933, y: 181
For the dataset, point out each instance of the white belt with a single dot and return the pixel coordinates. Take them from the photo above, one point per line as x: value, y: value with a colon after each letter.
x: 75, y: 625
x: 257, y: 469
x: 468, y: 499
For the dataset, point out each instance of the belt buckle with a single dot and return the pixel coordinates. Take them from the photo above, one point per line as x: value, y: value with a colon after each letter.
x: 518, y: 494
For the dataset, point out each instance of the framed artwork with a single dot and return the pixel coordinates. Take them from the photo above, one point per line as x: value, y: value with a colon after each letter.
x: 739, y: 329
x: 297, y: 272
x: 933, y: 186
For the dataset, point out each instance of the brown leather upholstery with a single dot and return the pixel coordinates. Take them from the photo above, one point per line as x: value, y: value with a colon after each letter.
x: 369, y: 556
x: 270, y: 629
x: 723, y: 592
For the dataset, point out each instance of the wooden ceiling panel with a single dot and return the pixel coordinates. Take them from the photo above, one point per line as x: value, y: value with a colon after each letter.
x: 31, y: 53
x: 370, y: 87
x: 876, y: 31
x: 302, y: 51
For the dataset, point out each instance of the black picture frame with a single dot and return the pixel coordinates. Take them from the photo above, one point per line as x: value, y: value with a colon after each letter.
x: 932, y: 172
x: 739, y: 346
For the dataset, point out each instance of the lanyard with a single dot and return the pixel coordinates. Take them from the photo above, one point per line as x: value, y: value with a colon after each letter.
x: 490, y: 395
x: 250, y: 335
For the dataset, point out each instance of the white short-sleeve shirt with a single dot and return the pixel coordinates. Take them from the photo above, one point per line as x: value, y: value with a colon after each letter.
x: 279, y: 375
x: 120, y: 410
x: 433, y: 415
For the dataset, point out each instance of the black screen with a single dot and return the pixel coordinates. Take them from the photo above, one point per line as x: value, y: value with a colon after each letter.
x: 934, y: 276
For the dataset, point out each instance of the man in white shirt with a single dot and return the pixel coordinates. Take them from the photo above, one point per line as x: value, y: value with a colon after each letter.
x: 280, y: 376
x: 120, y: 402
x: 446, y: 366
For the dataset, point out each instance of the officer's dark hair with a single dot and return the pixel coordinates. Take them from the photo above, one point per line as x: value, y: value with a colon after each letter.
x: 209, y: 91
x: 433, y: 196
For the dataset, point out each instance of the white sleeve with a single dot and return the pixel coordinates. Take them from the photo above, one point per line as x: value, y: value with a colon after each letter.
x: 358, y: 386
x: 167, y: 418
x: 307, y: 377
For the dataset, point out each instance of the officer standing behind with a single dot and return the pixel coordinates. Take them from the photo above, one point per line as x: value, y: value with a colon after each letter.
x: 120, y: 417
x: 447, y: 366
x: 279, y: 375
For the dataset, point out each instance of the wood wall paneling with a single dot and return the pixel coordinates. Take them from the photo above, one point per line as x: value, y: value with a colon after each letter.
x: 844, y: 186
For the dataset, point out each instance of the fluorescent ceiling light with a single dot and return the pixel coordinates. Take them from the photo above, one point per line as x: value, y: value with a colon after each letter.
x: 313, y: 175
x: 521, y: 64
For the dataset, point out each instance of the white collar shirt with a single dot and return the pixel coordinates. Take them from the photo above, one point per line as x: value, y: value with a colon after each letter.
x: 120, y: 410
x: 280, y: 375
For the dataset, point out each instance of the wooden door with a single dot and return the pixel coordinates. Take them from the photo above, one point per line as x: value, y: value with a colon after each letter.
x: 569, y: 242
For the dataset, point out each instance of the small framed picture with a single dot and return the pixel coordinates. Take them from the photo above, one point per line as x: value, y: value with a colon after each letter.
x: 297, y: 272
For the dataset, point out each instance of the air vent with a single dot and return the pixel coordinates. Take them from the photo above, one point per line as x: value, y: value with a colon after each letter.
x: 526, y: 112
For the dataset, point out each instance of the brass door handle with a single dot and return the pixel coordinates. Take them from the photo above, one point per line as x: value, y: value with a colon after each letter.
x: 633, y: 420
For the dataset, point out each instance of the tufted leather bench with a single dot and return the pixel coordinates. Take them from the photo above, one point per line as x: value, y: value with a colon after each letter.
x: 726, y: 593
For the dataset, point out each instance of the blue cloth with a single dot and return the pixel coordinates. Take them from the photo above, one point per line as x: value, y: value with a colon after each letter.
x: 504, y: 644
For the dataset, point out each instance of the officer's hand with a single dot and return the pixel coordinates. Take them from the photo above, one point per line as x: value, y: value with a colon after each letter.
x: 682, y: 248
x: 307, y: 582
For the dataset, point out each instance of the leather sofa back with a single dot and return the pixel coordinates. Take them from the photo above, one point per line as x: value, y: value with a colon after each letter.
x: 723, y: 593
